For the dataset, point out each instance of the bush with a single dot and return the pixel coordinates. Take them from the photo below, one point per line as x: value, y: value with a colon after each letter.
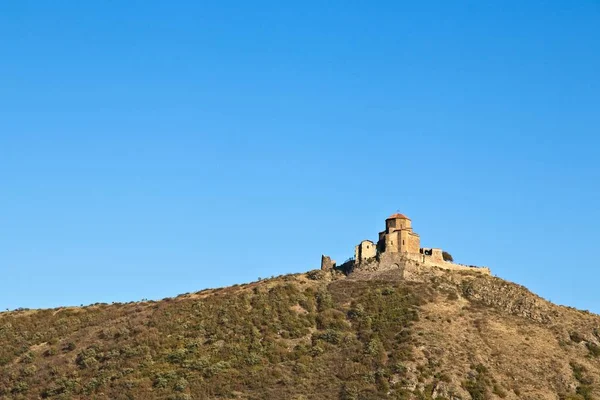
x: 576, y: 337
x: 330, y: 336
x: 477, y: 385
x: 218, y: 343
x: 315, y: 275
x: 594, y: 349
x: 585, y: 391
x: 447, y: 256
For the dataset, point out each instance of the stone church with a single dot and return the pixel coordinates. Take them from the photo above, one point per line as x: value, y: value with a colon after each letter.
x: 398, y: 237
x: 398, y: 248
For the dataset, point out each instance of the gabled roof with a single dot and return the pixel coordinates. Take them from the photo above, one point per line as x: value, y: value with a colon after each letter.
x: 397, y: 216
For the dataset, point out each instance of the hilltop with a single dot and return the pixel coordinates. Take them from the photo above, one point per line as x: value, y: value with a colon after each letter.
x: 435, y: 334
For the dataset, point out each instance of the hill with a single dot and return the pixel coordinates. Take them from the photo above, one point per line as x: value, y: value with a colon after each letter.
x: 319, y: 335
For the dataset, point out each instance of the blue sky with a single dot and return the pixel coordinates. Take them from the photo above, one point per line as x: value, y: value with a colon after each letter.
x: 151, y: 148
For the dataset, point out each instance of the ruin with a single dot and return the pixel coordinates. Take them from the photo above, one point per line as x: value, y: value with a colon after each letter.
x: 327, y: 263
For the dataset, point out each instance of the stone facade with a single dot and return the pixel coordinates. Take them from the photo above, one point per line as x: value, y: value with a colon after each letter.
x: 398, y: 236
x: 434, y: 254
x: 327, y: 263
x: 365, y: 250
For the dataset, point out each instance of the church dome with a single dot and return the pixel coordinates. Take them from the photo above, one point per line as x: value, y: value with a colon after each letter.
x: 397, y: 216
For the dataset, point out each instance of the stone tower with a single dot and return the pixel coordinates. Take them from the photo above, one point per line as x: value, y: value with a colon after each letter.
x: 398, y: 236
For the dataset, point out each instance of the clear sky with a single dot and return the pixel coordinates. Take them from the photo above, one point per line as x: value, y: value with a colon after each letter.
x: 152, y: 148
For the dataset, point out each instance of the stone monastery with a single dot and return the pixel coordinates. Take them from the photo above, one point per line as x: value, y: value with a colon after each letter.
x: 398, y: 237
x: 397, y: 247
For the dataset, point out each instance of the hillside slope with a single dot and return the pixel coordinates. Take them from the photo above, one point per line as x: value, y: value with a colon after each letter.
x: 318, y: 335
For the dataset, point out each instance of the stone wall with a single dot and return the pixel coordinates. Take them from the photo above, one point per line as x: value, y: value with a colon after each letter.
x: 433, y: 254
x: 397, y: 223
x: 411, y: 242
x: 423, y: 260
x: 387, y: 261
x: 391, y: 242
x: 404, y: 241
x: 364, y: 251
x: 409, y: 266
x: 437, y: 255
x: 327, y: 263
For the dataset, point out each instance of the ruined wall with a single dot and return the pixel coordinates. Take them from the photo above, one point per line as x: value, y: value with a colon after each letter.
x: 327, y: 263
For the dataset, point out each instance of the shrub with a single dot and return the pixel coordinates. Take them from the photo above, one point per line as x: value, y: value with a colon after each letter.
x: 87, y: 358
x: 50, y: 352
x: 580, y: 373
x: 585, y: 391
x: 594, y: 349
x: 20, y: 387
x: 576, y: 337
x: 499, y: 391
x: 349, y: 392
x: 315, y: 275
x: 181, y: 384
x: 217, y: 344
x: 477, y: 384
x: 447, y: 256
x: 452, y: 296
x: 330, y: 336
x: 69, y: 347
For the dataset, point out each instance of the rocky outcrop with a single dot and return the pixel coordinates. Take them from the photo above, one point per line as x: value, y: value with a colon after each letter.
x: 509, y: 297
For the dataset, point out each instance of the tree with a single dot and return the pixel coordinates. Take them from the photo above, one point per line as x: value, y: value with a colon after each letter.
x: 447, y: 256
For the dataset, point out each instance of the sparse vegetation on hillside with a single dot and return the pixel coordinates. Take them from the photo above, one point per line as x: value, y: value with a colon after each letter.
x: 283, y: 337
x: 305, y: 337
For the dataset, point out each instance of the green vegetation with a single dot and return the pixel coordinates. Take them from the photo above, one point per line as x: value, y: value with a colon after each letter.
x: 585, y: 380
x: 478, y: 384
x: 593, y: 348
x: 277, y: 339
x: 317, y: 336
